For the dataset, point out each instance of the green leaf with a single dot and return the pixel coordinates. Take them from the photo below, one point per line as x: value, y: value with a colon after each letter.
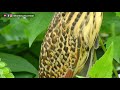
x: 18, y: 64
x: 1, y: 71
x: 24, y: 75
x: 4, y: 23
x: 2, y: 64
x: 6, y: 70
x: 103, y: 67
x: 2, y: 40
x: 2, y: 76
x: 116, y: 52
x: 108, y: 19
x: 31, y: 58
x: 10, y: 75
x: 38, y: 25
x: 117, y: 14
x: 15, y: 30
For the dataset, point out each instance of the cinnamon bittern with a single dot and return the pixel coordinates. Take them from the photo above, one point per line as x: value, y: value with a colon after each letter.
x: 68, y: 43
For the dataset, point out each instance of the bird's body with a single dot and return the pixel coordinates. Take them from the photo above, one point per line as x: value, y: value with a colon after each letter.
x: 68, y: 42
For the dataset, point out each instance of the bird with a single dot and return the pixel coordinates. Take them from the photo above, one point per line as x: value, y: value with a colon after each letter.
x: 68, y: 43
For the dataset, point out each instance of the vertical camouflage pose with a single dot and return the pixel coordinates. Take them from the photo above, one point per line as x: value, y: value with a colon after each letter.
x: 68, y: 43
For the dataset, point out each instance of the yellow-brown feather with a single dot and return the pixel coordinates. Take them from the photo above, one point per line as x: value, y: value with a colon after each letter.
x: 67, y: 43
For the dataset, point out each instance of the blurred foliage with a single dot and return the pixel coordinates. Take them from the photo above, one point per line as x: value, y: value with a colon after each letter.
x: 5, y: 72
x: 21, y: 38
x: 16, y: 41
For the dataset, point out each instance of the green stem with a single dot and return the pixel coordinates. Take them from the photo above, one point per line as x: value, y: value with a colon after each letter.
x: 104, y: 49
x: 95, y: 56
x: 115, y: 72
x: 102, y: 45
x: 113, y: 29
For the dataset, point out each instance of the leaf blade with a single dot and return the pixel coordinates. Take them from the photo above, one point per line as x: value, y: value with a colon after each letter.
x: 103, y: 67
x: 18, y: 64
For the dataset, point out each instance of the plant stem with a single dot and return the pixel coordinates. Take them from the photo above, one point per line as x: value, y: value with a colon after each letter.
x: 102, y: 45
x: 95, y: 56
x: 104, y: 49
x: 115, y: 72
x: 113, y: 29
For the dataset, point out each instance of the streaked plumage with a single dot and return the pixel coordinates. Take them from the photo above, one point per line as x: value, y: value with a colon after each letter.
x: 67, y: 43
